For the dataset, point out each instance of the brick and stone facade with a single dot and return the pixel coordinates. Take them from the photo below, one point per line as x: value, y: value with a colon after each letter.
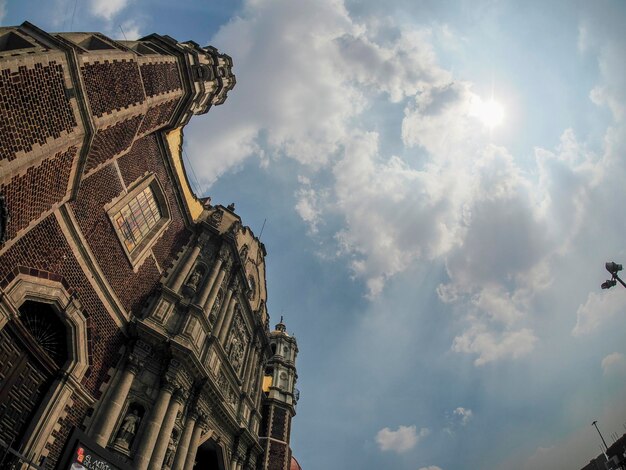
x: 145, y: 342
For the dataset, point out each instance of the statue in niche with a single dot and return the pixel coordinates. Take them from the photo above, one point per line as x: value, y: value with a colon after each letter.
x: 171, y: 451
x: 128, y: 429
x: 195, y: 277
x: 218, y: 302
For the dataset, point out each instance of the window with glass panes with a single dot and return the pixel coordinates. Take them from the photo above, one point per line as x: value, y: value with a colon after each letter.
x: 136, y: 218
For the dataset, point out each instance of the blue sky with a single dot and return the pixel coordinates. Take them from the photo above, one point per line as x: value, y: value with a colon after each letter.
x: 441, y: 274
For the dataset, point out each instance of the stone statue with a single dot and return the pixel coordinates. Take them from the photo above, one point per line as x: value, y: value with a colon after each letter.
x: 170, y: 452
x: 128, y: 429
x: 194, y: 279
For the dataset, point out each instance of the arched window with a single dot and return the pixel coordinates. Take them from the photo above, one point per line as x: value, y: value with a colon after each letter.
x: 33, y: 349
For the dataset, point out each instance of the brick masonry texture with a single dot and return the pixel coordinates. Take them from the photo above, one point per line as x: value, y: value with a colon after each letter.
x: 112, y: 85
x: 44, y: 251
x: 279, y: 424
x: 160, y: 77
x: 277, y: 456
x: 111, y: 141
x: 145, y: 156
x: 96, y: 191
x: 29, y: 195
x: 265, y: 415
x: 74, y: 417
x: 158, y: 116
x: 33, y: 108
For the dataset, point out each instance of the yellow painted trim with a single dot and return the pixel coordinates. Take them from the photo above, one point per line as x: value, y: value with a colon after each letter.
x: 175, y: 143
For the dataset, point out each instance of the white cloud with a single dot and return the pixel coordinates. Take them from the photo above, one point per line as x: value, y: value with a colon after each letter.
x: 491, y: 345
x: 452, y: 196
x: 131, y: 30
x: 107, y: 9
x: 401, y: 440
x: 614, y: 364
x: 465, y: 414
x: 598, y: 309
x: 430, y: 467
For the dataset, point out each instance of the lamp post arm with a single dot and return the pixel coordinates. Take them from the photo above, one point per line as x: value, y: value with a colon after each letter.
x: 620, y: 281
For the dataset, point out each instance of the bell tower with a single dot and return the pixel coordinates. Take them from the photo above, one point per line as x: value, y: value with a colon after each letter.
x: 281, y: 396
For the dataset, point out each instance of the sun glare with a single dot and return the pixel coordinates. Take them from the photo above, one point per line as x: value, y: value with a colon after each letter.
x: 489, y: 112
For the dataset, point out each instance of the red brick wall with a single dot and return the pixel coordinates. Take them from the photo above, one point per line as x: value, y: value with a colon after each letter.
x: 96, y: 191
x: 111, y: 141
x: 44, y: 252
x: 145, y: 156
x: 33, y: 107
x: 74, y: 417
x: 29, y: 195
x: 277, y: 456
x: 158, y: 116
x: 160, y: 77
x: 112, y: 85
x: 279, y: 424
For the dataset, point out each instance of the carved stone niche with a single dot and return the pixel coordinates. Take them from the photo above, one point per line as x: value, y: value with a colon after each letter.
x: 194, y: 280
x: 128, y: 428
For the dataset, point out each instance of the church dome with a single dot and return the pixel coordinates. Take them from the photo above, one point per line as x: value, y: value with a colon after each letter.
x: 294, y: 464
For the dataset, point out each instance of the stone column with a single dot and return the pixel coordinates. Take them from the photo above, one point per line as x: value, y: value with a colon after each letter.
x: 208, y: 305
x: 223, y: 334
x: 151, y: 431
x: 225, y: 305
x: 193, y: 445
x: 252, y: 365
x: 209, y: 286
x: 160, y: 448
x: 113, y: 405
x: 183, y: 443
x: 186, y: 267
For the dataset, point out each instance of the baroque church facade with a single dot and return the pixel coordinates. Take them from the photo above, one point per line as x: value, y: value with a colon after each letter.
x: 134, y: 331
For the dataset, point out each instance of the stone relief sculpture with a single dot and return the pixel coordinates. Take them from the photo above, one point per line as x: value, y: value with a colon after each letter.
x: 128, y: 429
x: 215, y: 219
x: 171, y: 450
x: 236, y: 354
x: 218, y: 302
x: 195, y: 277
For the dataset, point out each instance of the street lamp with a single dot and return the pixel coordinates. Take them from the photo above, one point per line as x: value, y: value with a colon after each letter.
x: 595, y: 423
x: 612, y: 268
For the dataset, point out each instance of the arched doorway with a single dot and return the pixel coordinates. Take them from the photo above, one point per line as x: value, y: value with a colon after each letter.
x: 209, y: 457
x: 33, y: 350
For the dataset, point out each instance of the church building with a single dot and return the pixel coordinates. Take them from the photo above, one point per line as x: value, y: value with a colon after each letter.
x: 134, y: 331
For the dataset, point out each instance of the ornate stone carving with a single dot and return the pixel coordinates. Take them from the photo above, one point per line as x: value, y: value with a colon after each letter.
x: 243, y: 255
x: 215, y: 219
x: 227, y: 390
x: 234, y: 228
x: 133, y: 364
x: 239, y: 339
x: 223, y: 254
x: 195, y: 277
x: 181, y: 396
x: 251, y: 287
x: 171, y: 450
x: 218, y: 302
